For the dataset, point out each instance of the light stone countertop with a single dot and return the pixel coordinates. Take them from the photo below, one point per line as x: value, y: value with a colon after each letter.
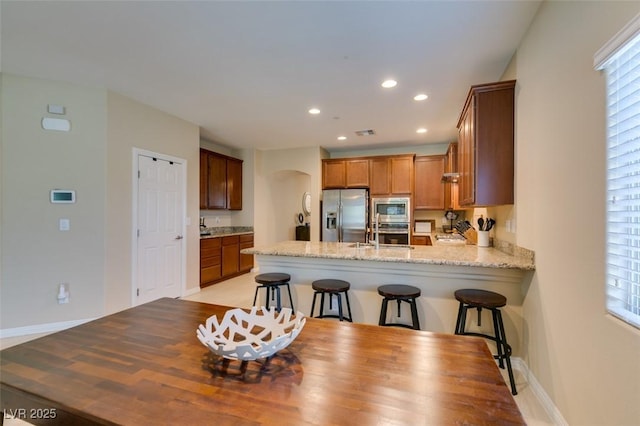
x: 439, y: 254
x: 226, y: 231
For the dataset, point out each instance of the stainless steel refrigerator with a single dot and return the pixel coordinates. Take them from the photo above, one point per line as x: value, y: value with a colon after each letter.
x: 344, y: 215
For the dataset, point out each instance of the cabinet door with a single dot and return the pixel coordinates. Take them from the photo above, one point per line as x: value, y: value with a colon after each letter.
x: 333, y: 174
x: 401, y: 175
x: 466, y: 157
x: 234, y: 184
x: 357, y: 173
x: 204, y: 179
x: 246, y: 260
x: 451, y: 187
x: 420, y: 240
x: 217, y: 182
x: 230, y: 255
x: 429, y: 189
x: 379, y: 173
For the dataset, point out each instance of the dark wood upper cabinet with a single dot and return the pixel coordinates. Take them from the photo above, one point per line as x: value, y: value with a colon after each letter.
x: 220, y: 181
x: 391, y: 175
x: 429, y: 188
x: 357, y: 173
x: 451, y: 184
x: 345, y: 173
x: 486, y: 145
x: 217, y: 181
x: 234, y: 184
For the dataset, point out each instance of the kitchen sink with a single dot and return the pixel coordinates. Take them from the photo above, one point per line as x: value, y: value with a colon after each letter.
x: 382, y: 246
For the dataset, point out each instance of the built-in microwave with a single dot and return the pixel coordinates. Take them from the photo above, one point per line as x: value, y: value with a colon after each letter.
x: 391, y: 210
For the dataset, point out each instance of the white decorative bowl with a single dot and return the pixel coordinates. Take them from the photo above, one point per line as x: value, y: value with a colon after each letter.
x: 246, y: 336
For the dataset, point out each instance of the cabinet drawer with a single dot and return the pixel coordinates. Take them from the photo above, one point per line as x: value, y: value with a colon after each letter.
x: 231, y: 240
x: 246, y: 238
x: 210, y: 274
x: 210, y: 243
x: 209, y: 252
x: 206, y: 262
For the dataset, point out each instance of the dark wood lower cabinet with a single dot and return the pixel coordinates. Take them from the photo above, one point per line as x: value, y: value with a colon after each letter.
x: 220, y: 258
x: 421, y: 240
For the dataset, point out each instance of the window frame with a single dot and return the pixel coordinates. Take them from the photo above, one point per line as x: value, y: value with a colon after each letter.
x: 622, y: 284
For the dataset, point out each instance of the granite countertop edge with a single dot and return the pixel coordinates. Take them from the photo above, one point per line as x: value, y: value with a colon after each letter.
x: 450, y: 255
x: 226, y: 231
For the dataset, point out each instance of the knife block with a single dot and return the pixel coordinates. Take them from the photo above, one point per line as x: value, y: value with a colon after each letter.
x: 471, y: 235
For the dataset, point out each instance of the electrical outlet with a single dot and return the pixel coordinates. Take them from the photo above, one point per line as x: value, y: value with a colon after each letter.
x: 63, y: 293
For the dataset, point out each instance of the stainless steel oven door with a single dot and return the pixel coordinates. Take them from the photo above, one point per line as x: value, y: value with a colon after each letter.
x: 394, y: 233
x: 394, y: 239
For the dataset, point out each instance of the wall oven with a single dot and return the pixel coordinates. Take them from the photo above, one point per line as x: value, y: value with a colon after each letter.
x: 394, y: 219
x: 391, y: 210
x: 394, y: 233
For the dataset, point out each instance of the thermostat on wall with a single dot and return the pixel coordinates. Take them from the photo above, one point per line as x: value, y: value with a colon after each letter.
x: 63, y: 196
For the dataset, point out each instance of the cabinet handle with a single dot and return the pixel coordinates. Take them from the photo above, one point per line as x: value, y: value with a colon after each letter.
x: 179, y: 237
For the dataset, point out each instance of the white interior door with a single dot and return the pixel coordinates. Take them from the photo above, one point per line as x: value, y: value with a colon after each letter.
x: 160, y: 229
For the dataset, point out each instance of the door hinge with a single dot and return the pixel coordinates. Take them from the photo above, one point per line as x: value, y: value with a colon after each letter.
x: 138, y: 174
x: 138, y: 233
x: 137, y: 292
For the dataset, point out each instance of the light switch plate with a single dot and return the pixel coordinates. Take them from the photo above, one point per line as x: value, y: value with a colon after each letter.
x: 64, y: 224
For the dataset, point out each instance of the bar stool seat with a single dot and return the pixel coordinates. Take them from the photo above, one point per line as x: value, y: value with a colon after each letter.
x: 272, y: 281
x: 483, y: 299
x: 332, y: 287
x: 400, y: 293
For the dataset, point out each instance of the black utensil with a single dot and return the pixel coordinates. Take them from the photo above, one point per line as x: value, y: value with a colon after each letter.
x: 480, y: 223
x: 490, y: 224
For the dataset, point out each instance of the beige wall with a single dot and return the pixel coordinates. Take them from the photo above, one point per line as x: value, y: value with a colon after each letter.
x: 134, y: 125
x: 36, y: 256
x: 587, y: 361
x: 95, y: 160
x: 302, y: 161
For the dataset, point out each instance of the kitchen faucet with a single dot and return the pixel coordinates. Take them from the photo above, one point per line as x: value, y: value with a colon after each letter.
x: 376, y: 241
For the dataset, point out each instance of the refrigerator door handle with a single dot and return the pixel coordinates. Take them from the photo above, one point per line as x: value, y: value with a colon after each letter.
x: 340, y: 234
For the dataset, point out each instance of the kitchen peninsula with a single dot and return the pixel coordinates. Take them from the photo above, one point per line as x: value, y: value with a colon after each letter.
x: 437, y: 270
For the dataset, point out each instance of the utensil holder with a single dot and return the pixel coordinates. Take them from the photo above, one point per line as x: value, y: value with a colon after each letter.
x: 483, y: 239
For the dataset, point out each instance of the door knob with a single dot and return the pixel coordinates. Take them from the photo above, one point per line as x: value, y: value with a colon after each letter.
x: 179, y: 237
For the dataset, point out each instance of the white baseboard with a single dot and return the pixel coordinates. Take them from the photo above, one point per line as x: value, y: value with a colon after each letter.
x: 191, y: 292
x: 41, y: 328
x: 539, y: 392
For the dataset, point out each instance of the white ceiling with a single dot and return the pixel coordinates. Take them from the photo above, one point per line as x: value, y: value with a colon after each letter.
x: 247, y: 72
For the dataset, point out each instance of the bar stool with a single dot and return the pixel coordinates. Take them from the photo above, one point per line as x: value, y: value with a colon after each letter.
x: 332, y: 288
x: 400, y: 293
x: 272, y: 281
x: 479, y: 299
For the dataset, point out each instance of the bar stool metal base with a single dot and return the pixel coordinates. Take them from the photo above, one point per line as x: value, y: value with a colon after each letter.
x: 399, y: 293
x: 482, y: 299
x: 272, y: 281
x: 332, y: 288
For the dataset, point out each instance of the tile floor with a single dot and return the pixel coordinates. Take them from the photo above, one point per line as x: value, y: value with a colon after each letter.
x: 239, y: 292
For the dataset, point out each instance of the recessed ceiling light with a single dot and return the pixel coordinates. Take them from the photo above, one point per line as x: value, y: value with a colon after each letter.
x: 420, y: 97
x: 342, y: 138
x: 421, y: 130
x: 314, y: 111
x: 387, y: 84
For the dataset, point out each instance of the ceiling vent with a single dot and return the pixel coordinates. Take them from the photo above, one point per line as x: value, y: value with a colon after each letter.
x: 368, y: 132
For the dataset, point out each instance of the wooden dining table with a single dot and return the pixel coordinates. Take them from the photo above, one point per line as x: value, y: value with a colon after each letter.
x: 145, y: 366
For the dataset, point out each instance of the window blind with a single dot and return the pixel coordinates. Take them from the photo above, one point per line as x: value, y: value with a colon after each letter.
x: 623, y: 182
